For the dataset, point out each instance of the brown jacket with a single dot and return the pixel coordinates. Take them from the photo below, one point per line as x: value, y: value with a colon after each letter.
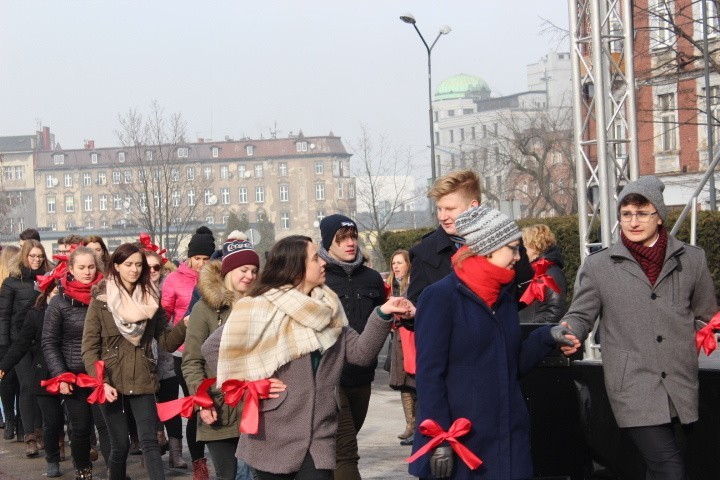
x: 305, y: 417
x: 130, y: 369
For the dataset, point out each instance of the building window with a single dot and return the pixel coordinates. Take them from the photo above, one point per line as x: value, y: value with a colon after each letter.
x: 451, y: 113
x: 301, y: 147
x: 69, y: 203
x: 88, y: 203
x: 284, y: 193
x: 157, y: 199
x: 175, y: 198
x: 282, y: 169
x: 121, y: 157
x: 472, y: 133
x: 468, y: 111
x: 68, y: 180
x: 191, y: 197
x: 102, y: 200
x: 174, y: 175
x: 258, y: 170
x: 319, y: 168
x: 320, y: 215
x: 242, y: 172
x: 285, y: 220
x: 462, y: 134
x: 714, y: 108
x: 207, y: 173
x: 183, y: 152
x: 8, y: 173
x: 102, y: 178
x: 437, y: 138
x: 224, y: 172
x: 259, y: 194
x: 59, y: 159
x: 249, y: 150
x: 452, y: 136
x: 117, y: 201
x: 19, y: 172
x: 340, y: 190
x: 190, y: 173
x: 210, y: 220
x: 93, y: 157
x: 242, y: 195
x: 209, y: 197
x: 319, y: 191
x: 50, y: 201
x: 87, y: 181
x: 116, y: 177
x: 128, y: 176
x: 661, y: 28
x: 225, y: 196
x: 668, y: 122
x: 351, y: 190
x: 215, y: 152
x: 50, y: 181
x: 149, y: 155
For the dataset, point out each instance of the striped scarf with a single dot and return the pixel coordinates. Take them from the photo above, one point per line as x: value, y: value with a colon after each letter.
x: 264, y: 333
x: 651, y: 259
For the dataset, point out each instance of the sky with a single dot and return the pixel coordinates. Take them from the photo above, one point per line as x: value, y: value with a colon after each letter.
x: 243, y: 69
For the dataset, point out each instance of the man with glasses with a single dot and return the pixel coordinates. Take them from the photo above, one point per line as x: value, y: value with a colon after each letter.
x: 652, y: 290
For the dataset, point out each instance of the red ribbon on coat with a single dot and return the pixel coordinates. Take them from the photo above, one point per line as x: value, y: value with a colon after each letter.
x: 250, y: 393
x: 97, y: 383
x: 705, y: 337
x: 536, y: 289
x: 460, y: 427
x: 186, y: 406
x: 52, y: 385
x: 148, y: 245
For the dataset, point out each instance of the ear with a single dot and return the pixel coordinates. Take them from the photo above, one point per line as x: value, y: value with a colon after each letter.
x: 474, y: 203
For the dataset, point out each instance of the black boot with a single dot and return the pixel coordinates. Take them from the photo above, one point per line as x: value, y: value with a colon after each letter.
x: 9, y: 433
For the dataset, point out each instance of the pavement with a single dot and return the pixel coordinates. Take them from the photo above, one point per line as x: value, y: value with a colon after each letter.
x: 381, y: 455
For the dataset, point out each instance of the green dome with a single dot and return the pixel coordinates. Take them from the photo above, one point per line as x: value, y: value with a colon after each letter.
x: 461, y: 86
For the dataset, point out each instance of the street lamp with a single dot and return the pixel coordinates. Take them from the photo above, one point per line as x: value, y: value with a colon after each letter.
x: 444, y: 30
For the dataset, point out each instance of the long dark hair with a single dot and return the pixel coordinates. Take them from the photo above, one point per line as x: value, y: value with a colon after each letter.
x: 122, y: 253
x: 285, y: 264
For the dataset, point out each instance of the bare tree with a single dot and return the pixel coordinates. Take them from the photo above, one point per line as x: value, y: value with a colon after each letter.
x: 383, y: 177
x: 158, y: 199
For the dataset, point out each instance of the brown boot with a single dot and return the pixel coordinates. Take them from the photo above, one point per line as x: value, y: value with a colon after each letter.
x: 61, y: 444
x: 408, y: 405
x: 39, y: 439
x: 162, y: 442
x: 200, y: 470
x: 134, y: 445
x: 176, y: 459
x: 31, y: 448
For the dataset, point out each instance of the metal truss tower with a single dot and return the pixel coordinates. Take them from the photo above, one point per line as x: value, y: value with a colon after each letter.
x: 604, y: 107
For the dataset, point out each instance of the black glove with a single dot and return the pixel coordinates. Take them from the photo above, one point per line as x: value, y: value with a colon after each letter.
x: 558, y: 333
x: 441, y: 462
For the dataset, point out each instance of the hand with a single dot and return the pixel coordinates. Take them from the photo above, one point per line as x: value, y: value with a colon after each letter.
x: 2, y: 374
x: 110, y: 393
x: 186, y: 320
x: 397, y: 305
x: 441, y: 462
x: 208, y: 415
x: 565, y: 337
x: 276, y: 386
x: 65, y: 388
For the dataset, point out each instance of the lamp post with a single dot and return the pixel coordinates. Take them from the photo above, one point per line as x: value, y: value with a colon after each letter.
x: 444, y: 30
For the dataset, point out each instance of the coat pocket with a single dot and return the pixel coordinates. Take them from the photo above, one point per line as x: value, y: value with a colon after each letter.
x: 268, y: 404
x: 617, y: 369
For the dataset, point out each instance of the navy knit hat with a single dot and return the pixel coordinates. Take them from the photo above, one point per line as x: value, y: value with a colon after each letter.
x: 238, y: 251
x: 201, y: 243
x: 330, y: 225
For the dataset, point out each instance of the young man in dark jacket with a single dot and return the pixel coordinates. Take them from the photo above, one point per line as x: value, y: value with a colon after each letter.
x: 360, y: 289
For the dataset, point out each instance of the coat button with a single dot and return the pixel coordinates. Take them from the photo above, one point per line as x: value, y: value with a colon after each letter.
x: 659, y: 338
x: 663, y: 375
x: 653, y: 296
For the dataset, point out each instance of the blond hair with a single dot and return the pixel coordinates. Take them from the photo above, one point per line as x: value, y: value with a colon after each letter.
x: 464, y: 182
x: 28, y: 245
x: 539, y: 237
x: 406, y: 279
x: 8, y: 256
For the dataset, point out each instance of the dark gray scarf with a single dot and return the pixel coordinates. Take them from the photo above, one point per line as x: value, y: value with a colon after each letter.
x: 347, y: 267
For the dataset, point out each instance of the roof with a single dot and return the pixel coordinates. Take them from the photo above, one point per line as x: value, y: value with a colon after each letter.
x: 19, y: 143
x: 462, y: 86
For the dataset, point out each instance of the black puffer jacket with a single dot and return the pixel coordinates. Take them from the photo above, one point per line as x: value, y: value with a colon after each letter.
x: 17, y: 294
x: 63, y: 333
x: 554, y: 306
x: 29, y: 344
x: 359, y: 293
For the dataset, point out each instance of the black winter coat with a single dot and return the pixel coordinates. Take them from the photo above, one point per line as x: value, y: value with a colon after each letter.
x: 359, y: 293
x: 17, y: 295
x: 554, y: 306
x: 29, y: 343
x: 63, y: 333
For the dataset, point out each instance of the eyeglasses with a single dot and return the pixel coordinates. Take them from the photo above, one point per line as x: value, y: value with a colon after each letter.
x: 40, y: 257
x: 642, y: 217
x: 155, y: 268
x: 515, y: 249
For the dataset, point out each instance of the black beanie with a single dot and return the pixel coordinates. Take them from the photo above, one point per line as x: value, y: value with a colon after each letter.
x: 330, y: 225
x: 201, y: 243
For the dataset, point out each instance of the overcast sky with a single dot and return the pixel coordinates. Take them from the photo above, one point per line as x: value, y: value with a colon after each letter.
x: 238, y: 68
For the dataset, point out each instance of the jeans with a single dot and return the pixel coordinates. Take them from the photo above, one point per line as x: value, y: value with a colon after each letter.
x: 197, y: 449
x: 307, y: 472
x: 222, y: 454
x: 81, y: 421
x: 354, y: 402
x: 662, y: 447
x: 29, y: 409
x: 53, y: 423
x: 144, y: 410
x: 169, y: 389
x: 9, y: 391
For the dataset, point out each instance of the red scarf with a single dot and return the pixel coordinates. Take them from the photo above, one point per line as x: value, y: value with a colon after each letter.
x: 482, y: 277
x: 77, y: 290
x: 651, y: 259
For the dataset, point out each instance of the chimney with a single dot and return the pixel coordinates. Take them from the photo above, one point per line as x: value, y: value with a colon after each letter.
x: 201, y: 140
x: 46, y: 138
x: 90, y: 144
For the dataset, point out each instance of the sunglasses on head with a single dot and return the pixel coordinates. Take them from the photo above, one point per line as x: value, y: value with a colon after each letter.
x: 155, y: 268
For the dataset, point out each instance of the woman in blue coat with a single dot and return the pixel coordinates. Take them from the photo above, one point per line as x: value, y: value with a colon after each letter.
x: 470, y: 355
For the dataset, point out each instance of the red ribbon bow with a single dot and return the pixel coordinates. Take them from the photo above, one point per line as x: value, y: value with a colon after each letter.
x: 251, y: 393
x: 52, y: 385
x: 536, y: 289
x: 460, y: 427
x: 186, y: 406
x: 705, y: 337
x: 97, y: 383
x: 148, y: 245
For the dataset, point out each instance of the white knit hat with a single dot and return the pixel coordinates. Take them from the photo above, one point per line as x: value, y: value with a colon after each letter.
x: 485, y: 229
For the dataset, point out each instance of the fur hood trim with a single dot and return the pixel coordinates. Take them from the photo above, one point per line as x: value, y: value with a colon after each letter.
x: 212, y: 287
x: 99, y: 290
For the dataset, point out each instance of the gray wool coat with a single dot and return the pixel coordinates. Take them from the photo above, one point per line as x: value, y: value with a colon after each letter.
x: 647, y: 332
x: 305, y: 417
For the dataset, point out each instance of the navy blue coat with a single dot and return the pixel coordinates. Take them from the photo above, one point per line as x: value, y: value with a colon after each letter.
x: 469, y: 360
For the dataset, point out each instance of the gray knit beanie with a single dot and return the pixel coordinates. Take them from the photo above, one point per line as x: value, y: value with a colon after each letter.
x: 486, y: 229
x: 649, y: 187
